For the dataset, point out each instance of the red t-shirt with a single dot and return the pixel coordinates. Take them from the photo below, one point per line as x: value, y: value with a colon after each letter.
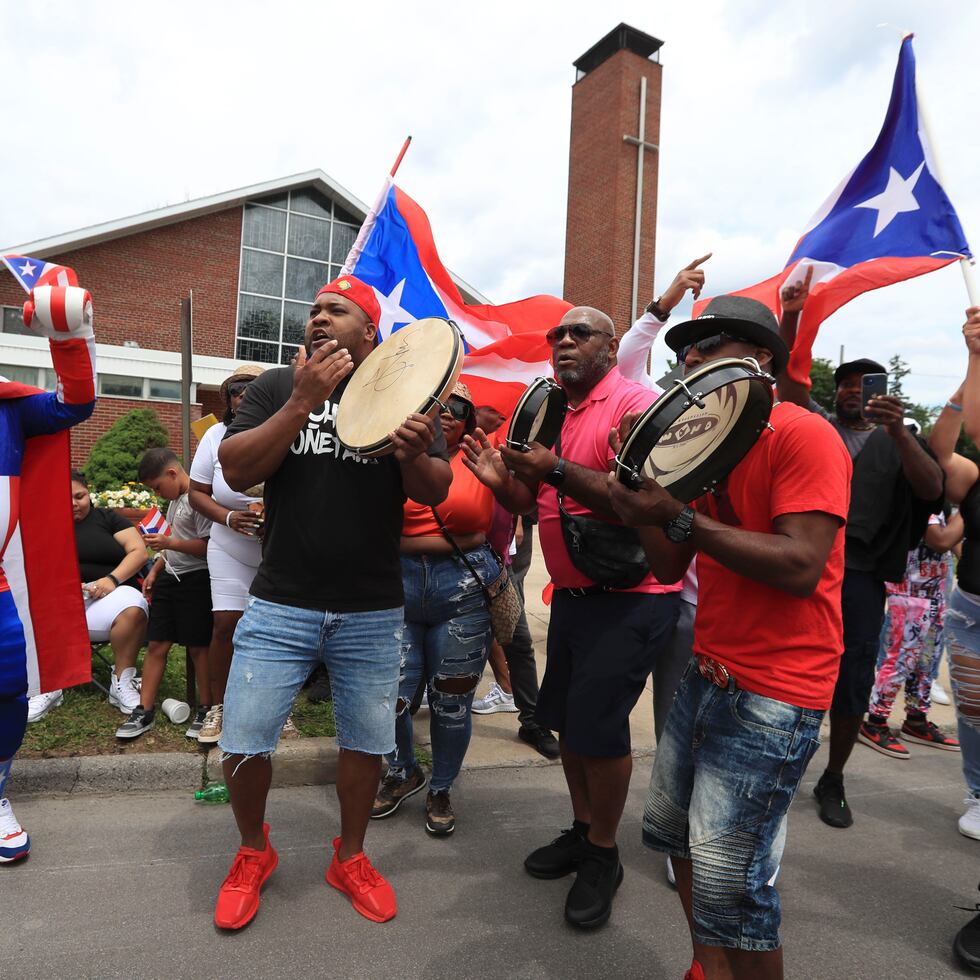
x: 772, y: 642
x: 585, y: 440
x: 467, y: 509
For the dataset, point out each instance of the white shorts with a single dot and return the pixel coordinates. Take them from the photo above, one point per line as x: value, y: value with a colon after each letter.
x: 230, y: 579
x: 100, y: 614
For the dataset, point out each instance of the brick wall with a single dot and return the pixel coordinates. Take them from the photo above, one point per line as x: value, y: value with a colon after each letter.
x: 602, y: 187
x: 108, y: 410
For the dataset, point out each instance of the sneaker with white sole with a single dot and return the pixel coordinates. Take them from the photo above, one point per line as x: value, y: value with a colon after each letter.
x: 14, y: 841
x: 211, y: 729
x: 139, y: 721
x: 39, y: 705
x: 497, y: 699
x: 938, y: 695
x: 969, y: 823
x: 123, y: 692
x: 289, y: 729
x: 194, y: 729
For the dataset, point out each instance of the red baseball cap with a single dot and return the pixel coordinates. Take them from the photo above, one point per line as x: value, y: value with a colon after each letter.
x: 359, y: 293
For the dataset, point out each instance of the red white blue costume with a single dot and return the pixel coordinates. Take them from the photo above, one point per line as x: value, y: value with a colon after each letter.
x: 43, y: 637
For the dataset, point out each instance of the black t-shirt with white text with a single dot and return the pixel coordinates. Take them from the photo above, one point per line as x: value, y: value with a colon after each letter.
x: 333, y: 519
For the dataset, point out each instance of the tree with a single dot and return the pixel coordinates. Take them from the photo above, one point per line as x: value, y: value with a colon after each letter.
x: 823, y: 390
x: 115, y: 457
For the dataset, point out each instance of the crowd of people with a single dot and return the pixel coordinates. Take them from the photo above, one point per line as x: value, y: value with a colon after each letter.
x: 814, y: 579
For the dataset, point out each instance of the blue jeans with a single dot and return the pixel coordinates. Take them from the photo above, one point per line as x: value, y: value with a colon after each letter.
x: 962, y: 631
x: 447, y: 638
x: 276, y: 647
x: 728, y: 765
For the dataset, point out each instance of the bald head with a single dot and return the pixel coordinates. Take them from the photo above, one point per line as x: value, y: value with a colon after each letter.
x: 596, y: 319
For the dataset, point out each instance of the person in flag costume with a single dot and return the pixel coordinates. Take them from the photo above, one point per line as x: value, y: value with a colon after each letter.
x: 43, y: 638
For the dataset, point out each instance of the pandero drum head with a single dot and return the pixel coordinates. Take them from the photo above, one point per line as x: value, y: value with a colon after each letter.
x: 414, y: 370
x: 697, y: 432
x: 538, y: 416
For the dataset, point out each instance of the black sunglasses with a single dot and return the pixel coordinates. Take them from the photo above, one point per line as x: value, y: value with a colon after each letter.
x: 709, y: 344
x: 237, y: 388
x: 579, y: 332
x: 459, y: 409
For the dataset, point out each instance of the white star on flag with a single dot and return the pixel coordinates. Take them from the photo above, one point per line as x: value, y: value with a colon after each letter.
x: 27, y: 269
x: 895, y: 199
x: 391, y: 310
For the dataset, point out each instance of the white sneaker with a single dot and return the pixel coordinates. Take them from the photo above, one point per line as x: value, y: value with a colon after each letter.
x: 14, y: 842
x: 39, y: 705
x: 969, y: 823
x: 123, y: 692
x: 937, y: 694
x: 289, y: 729
x: 424, y: 703
x: 496, y: 700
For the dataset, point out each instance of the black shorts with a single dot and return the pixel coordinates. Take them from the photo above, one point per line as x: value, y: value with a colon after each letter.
x: 601, y: 650
x: 863, y: 608
x: 180, y: 611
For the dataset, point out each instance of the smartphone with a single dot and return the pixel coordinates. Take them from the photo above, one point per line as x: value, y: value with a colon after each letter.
x: 872, y: 385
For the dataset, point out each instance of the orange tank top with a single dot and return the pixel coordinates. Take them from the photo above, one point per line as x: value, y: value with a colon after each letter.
x: 468, y: 509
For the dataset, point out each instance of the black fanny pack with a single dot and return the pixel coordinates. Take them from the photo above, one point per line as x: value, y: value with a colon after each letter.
x: 609, y: 554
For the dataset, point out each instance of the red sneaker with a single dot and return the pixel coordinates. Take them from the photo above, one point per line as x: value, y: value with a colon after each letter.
x: 882, y: 739
x: 696, y: 972
x: 926, y: 733
x: 356, y: 877
x: 238, y: 898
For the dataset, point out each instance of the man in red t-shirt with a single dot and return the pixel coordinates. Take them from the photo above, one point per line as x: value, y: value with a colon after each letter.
x: 767, y: 643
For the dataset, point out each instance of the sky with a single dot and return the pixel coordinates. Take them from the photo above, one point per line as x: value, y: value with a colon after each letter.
x: 117, y: 108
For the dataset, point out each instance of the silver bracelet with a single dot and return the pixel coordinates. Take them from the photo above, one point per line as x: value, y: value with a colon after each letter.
x: 228, y: 518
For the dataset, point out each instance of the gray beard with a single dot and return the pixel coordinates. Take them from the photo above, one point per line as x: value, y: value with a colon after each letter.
x: 591, y: 370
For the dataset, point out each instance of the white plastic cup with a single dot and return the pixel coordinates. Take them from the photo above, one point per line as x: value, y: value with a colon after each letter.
x: 177, y: 711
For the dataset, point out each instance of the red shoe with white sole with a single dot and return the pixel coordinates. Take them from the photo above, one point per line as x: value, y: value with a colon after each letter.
x: 357, y: 878
x: 238, y: 898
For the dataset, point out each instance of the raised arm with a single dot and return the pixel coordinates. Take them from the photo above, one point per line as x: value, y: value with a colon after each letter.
x: 971, y: 387
x: 252, y: 456
x: 793, y: 297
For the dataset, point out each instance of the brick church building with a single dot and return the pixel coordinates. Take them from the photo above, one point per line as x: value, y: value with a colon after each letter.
x: 254, y: 257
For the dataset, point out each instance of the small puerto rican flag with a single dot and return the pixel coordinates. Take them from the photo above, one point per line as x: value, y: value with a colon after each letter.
x: 154, y: 523
x: 36, y: 272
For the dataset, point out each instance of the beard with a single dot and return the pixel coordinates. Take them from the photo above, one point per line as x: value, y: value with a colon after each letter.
x: 848, y: 414
x: 589, y: 371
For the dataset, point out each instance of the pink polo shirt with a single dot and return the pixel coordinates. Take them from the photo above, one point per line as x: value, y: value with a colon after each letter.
x: 585, y: 440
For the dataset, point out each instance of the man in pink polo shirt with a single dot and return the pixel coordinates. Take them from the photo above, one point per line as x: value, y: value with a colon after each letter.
x: 606, y: 623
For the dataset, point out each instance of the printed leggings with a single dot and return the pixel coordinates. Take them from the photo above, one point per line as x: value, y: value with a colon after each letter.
x: 911, y: 645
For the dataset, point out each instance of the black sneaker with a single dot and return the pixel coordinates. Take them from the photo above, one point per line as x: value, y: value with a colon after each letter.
x: 393, y: 791
x: 139, y: 721
x: 319, y: 689
x: 541, y: 741
x: 966, y: 945
x: 440, y: 821
x: 833, y: 808
x: 560, y: 857
x: 198, y: 723
x: 589, y: 901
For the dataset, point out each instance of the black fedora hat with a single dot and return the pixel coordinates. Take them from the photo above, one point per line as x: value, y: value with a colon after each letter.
x: 738, y: 317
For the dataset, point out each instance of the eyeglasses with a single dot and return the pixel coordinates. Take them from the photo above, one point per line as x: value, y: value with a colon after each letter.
x: 708, y: 344
x: 237, y: 388
x: 459, y: 409
x: 579, y: 332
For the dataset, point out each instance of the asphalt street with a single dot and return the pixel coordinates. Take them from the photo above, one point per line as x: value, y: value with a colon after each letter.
x: 124, y: 886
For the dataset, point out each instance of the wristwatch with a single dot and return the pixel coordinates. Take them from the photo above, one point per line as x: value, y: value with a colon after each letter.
x: 655, y: 308
x: 557, y: 476
x: 681, y: 527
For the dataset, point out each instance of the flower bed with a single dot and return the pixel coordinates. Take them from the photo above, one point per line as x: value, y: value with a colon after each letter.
x: 132, y: 495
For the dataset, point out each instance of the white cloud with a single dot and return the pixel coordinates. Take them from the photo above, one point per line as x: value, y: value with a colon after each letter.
x: 120, y: 108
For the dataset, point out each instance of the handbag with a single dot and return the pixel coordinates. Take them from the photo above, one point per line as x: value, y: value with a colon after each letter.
x: 503, y: 602
x: 610, y: 554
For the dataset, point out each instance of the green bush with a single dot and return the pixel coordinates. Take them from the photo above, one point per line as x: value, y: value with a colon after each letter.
x: 115, y: 456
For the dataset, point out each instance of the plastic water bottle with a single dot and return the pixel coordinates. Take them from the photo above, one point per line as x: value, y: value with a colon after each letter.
x: 215, y: 793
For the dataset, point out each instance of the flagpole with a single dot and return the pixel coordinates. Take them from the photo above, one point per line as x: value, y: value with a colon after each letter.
x: 966, y: 265
x: 398, y: 161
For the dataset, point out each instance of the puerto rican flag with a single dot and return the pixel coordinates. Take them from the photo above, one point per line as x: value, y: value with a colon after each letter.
x: 36, y: 272
x: 505, y: 347
x: 887, y: 221
x: 154, y: 523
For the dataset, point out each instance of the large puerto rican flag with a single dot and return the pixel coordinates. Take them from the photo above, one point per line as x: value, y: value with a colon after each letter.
x: 888, y: 220
x: 395, y: 254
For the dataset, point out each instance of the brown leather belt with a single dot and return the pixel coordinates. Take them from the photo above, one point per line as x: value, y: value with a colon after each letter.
x: 713, y: 671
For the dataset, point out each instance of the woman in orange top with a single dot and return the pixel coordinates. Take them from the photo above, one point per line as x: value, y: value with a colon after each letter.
x: 447, y: 627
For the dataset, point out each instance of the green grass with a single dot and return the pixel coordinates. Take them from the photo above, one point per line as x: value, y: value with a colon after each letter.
x: 86, y: 723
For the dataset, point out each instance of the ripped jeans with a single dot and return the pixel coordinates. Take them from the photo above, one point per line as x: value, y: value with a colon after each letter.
x: 962, y: 631
x: 446, y: 641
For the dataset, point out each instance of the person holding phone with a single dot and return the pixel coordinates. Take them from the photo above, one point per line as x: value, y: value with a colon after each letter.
x: 896, y: 485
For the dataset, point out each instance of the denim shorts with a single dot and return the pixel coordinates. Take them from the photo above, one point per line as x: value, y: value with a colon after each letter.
x: 276, y: 647
x: 727, y: 768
